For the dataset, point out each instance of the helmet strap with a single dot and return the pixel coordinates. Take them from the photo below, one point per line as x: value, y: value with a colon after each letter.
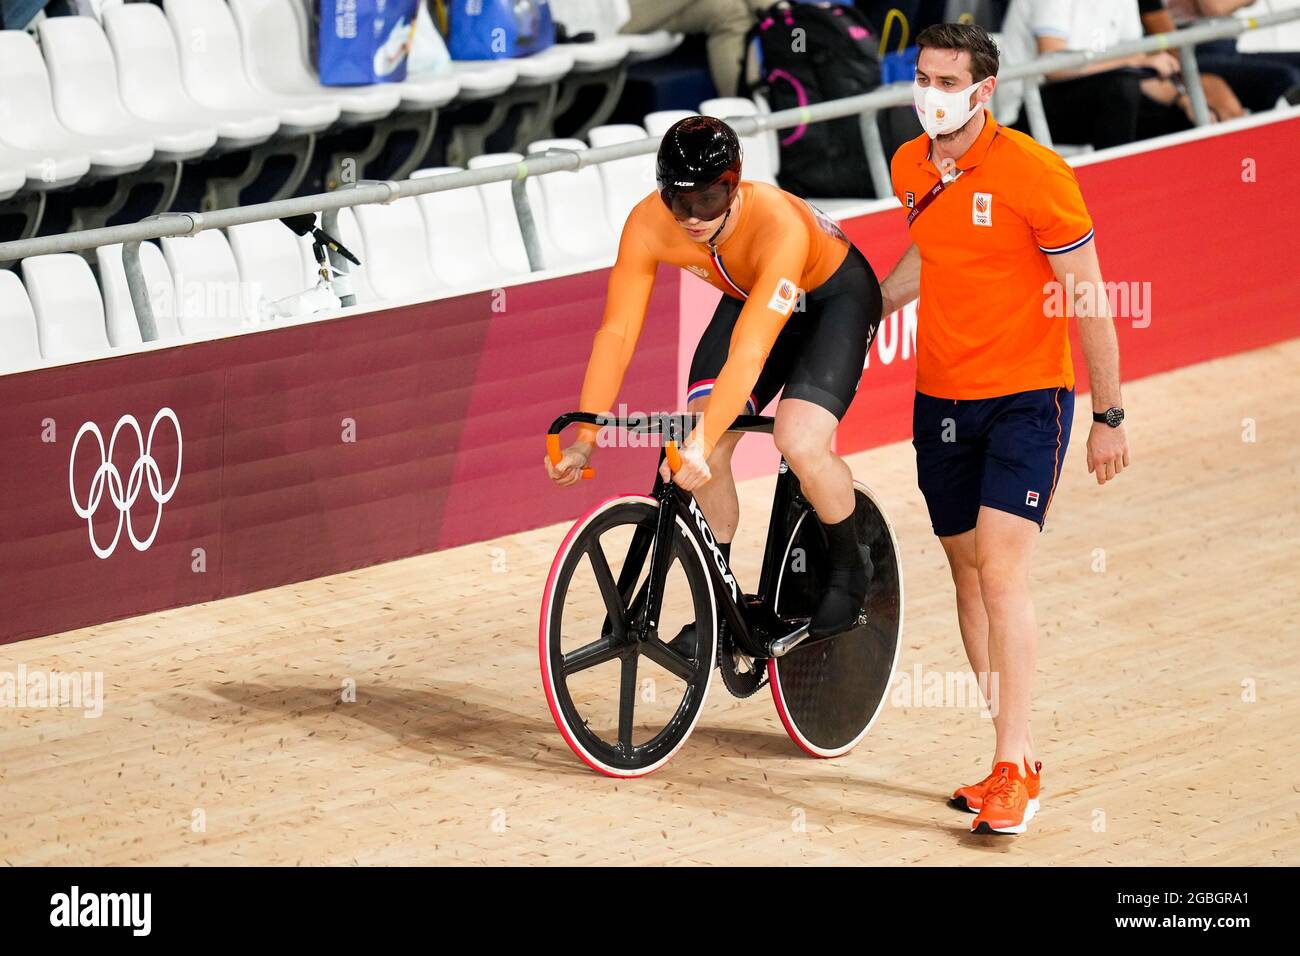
x: 713, y: 238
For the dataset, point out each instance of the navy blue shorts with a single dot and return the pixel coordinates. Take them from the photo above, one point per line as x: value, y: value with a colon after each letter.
x: 1003, y: 452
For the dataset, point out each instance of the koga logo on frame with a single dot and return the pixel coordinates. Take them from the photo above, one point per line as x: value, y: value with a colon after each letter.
x: 134, y: 910
x: 124, y: 496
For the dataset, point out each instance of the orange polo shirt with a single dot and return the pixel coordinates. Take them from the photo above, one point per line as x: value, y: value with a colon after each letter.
x: 781, y: 246
x: 985, y: 326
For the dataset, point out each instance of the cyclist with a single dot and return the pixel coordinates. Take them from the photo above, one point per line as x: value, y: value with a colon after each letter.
x: 799, y: 308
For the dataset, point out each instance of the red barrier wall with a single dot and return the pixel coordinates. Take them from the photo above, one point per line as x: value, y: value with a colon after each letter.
x: 448, y: 401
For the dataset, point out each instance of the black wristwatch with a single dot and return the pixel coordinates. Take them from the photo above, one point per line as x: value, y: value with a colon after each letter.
x: 1114, y: 417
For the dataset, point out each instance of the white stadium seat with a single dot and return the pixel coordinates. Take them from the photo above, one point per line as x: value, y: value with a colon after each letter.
x: 484, y: 79
x: 758, y: 159
x: 456, y: 225
x: 209, y: 297
x: 13, y: 173
x: 274, y: 45
x: 39, y: 170
x: 574, y: 201
x: 651, y: 46
x: 626, y: 181
x: 604, y: 18
x: 86, y: 98
x: 149, y: 75
x: 269, y: 259
x: 586, y: 16
x: 428, y: 91
x: 394, y: 237
x: 19, y: 346
x: 212, y: 65
x: 68, y: 307
x: 549, y: 66
x: 30, y: 123
x: 659, y: 122
x: 505, y: 240
x: 123, y: 328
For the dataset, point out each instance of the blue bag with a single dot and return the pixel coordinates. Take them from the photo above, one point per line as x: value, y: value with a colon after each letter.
x: 365, y: 41
x: 899, y: 66
x: 498, y: 29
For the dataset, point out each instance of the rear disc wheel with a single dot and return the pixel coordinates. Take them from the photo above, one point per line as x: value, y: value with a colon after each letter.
x: 829, y: 694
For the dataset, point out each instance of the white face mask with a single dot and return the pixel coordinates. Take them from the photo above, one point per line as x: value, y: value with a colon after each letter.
x: 942, y: 112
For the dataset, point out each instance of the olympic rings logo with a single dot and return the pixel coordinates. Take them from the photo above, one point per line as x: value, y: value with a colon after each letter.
x: 107, y: 477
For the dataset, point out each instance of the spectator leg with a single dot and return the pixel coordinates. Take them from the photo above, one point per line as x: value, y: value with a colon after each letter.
x: 1258, y: 79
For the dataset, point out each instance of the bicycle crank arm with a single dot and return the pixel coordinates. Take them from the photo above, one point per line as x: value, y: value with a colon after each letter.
x: 781, y: 646
x: 800, y: 636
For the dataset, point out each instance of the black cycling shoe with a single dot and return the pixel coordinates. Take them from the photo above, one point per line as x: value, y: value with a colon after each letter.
x: 685, y: 642
x: 842, y: 600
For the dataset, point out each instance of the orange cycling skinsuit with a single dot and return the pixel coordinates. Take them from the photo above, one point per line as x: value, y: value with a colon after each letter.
x: 782, y: 247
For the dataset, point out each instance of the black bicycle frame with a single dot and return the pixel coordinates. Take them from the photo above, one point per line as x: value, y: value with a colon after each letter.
x: 754, y: 625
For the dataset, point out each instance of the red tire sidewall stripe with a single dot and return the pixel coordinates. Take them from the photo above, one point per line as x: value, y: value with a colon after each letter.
x: 778, y: 697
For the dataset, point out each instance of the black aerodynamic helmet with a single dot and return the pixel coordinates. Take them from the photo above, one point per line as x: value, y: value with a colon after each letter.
x: 698, y: 169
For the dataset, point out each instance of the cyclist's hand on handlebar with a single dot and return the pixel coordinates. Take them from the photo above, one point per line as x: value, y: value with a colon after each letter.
x: 569, y: 470
x: 694, y: 471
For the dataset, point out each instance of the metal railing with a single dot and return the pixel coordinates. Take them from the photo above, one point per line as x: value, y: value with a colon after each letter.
x: 865, y: 106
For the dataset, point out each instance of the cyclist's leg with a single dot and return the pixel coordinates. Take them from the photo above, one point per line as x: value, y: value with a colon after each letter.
x: 842, y: 317
x: 803, y: 434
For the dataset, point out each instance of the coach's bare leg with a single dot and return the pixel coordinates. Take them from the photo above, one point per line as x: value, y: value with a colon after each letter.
x: 1004, y: 549
x: 803, y: 434
x: 717, y: 496
x: 972, y: 618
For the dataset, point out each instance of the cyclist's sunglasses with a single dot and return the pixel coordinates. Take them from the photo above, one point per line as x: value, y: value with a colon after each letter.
x: 704, y: 204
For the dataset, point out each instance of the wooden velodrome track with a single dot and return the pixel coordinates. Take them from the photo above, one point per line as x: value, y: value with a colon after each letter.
x: 449, y: 754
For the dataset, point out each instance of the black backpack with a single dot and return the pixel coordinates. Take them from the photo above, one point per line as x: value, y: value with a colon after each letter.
x: 812, y: 53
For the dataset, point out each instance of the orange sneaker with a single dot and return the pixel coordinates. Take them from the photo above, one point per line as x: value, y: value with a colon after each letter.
x: 971, y: 797
x: 1007, y: 807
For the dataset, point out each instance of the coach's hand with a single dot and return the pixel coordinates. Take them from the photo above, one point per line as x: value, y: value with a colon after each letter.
x: 694, y: 471
x: 569, y: 470
x: 1107, y: 451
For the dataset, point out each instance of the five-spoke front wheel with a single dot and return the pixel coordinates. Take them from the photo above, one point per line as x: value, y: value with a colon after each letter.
x: 624, y: 699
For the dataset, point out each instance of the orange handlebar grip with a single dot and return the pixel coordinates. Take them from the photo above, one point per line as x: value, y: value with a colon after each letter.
x: 674, y: 459
x: 553, y: 449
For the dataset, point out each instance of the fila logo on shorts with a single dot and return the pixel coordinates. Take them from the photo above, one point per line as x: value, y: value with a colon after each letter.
x: 784, y: 297
x: 981, y: 212
x: 1031, y: 499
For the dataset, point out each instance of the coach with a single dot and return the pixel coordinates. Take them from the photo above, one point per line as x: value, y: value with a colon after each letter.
x: 998, y: 229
